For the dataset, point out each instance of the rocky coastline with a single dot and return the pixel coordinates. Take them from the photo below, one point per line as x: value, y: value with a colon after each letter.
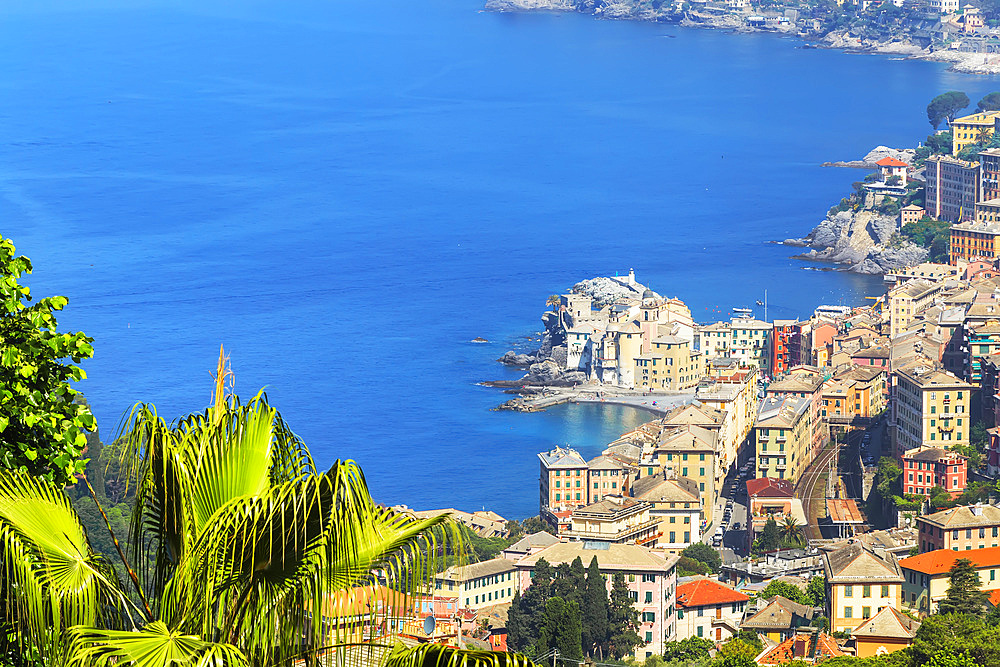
x: 967, y: 63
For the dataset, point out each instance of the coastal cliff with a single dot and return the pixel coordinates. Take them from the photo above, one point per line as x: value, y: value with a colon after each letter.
x: 864, y: 240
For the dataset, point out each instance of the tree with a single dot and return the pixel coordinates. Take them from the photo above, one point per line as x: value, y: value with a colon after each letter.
x: 888, y: 470
x: 570, y: 582
x: 990, y: 102
x: 623, y: 620
x: 535, y: 524
x: 955, y: 634
x: 562, y: 628
x: 688, y: 650
x: 517, y: 637
x: 594, y: 610
x: 531, y: 608
x: 736, y: 653
x: 770, y: 537
x: 785, y: 590
x: 248, y: 543
x: 790, y: 530
x: 514, y: 529
x: 816, y: 592
x: 43, y: 428
x: 964, y: 594
x: 689, y: 566
x: 703, y: 553
x: 946, y: 105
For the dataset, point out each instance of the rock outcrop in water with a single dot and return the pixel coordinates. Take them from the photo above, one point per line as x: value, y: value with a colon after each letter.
x: 865, y: 240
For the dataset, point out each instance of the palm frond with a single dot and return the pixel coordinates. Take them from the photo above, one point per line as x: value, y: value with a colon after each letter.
x: 437, y: 655
x: 155, y: 645
x: 50, y: 578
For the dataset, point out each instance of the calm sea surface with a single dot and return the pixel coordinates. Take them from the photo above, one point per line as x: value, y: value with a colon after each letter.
x: 346, y: 193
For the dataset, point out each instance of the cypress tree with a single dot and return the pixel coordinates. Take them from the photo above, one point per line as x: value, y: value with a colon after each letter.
x: 770, y: 539
x: 623, y: 620
x: 594, y: 612
x: 964, y: 596
x: 530, y: 616
x: 516, y: 639
x: 562, y: 628
x: 570, y: 582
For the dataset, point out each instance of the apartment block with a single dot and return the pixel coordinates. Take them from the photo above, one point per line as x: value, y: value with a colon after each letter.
x: 784, y: 433
x: 925, y: 468
x: 860, y: 582
x: 926, y: 575
x: 960, y: 528
x: 931, y: 408
x: 952, y: 188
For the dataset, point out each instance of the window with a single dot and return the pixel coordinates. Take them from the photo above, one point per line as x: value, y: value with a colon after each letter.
x: 701, y: 457
x: 631, y: 578
x: 701, y: 612
x: 866, y: 612
x: 680, y: 614
x: 866, y: 591
x: 848, y: 591
x: 885, y: 591
x: 648, y: 616
x: 701, y: 631
x: 649, y: 597
x: 848, y: 612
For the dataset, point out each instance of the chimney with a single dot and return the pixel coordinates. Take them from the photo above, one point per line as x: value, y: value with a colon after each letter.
x: 800, y: 647
x: 977, y: 509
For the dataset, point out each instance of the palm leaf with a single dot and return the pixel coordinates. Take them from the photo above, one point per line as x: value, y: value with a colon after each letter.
x: 437, y: 655
x: 155, y: 645
x: 50, y: 578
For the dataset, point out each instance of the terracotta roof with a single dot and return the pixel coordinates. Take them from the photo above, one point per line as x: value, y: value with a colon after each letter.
x: 887, y: 623
x: 704, y: 592
x: 995, y: 597
x: 813, y: 648
x: 768, y: 487
x: 942, y: 560
x: 890, y: 162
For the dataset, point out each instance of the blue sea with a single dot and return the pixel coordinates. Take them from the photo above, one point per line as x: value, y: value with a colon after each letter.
x: 346, y: 193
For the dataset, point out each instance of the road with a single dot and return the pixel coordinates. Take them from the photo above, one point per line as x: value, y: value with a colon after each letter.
x: 733, y: 540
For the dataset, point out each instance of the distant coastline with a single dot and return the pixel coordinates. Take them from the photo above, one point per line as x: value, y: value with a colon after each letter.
x: 902, y: 44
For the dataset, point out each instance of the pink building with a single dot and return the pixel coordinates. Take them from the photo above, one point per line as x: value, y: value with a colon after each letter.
x: 923, y: 469
x: 651, y: 578
x: 871, y: 356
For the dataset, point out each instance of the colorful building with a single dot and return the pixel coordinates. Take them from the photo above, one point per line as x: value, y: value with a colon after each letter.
x: 975, y: 128
x: 931, y: 408
x: 676, y: 505
x: 707, y: 609
x: 965, y: 528
x: 952, y: 188
x: 562, y: 482
x: 973, y: 240
x: 860, y: 582
x: 989, y: 174
x: 889, y: 167
x: 885, y: 632
x: 618, y: 519
x: 927, y: 577
x: 781, y: 346
x: 784, y: 433
x: 925, y: 468
x: 909, y: 214
x: 651, y: 580
x: 480, y: 584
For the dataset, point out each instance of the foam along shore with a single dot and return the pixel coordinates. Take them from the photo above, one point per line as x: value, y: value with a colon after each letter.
x: 655, y: 402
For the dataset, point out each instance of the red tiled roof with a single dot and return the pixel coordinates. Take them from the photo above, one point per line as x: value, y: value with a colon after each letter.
x: 704, y: 592
x: 825, y: 647
x: 769, y: 487
x: 941, y: 560
x: 890, y: 162
x: 843, y: 510
x: 995, y: 597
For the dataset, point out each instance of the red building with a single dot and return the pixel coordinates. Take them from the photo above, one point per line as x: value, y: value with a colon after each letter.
x: 923, y: 469
x: 781, y: 339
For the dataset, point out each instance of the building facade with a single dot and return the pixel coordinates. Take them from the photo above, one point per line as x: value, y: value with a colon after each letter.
x: 952, y: 188
x: 923, y: 469
x: 963, y: 528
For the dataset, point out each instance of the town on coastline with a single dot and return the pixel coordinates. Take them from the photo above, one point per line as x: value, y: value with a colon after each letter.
x: 967, y: 35
x: 807, y: 488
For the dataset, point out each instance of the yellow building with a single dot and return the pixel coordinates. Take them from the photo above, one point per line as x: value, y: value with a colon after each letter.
x: 856, y: 393
x: 860, y: 582
x: 671, y: 364
x: 784, y: 435
x: 691, y: 452
x: 906, y: 301
x: 932, y: 408
x: 972, y: 129
x: 927, y: 577
x: 480, y: 584
x: 885, y: 632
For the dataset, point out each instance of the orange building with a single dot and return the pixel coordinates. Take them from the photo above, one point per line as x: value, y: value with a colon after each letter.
x: 971, y: 240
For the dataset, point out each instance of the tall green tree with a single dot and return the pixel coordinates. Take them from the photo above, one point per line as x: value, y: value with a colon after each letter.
x: 816, y: 592
x: 623, y: 620
x: 570, y: 581
x: 43, y: 428
x: 562, y: 629
x: 964, y: 593
x: 785, y: 590
x: 517, y: 636
x: 703, y: 553
x: 990, y: 102
x: 770, y: 537
x: 946, y: 106
x: 530, y: 608
x: 594, y: 610
x: 251, y: 547
x: 688, y: 650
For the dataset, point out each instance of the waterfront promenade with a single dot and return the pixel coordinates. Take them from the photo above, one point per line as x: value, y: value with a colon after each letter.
x: 656, y: 402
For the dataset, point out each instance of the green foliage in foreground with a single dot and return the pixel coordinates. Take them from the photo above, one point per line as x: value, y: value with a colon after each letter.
x: 246, y: 541
x: 946, y: 106
x: 43, y: 427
